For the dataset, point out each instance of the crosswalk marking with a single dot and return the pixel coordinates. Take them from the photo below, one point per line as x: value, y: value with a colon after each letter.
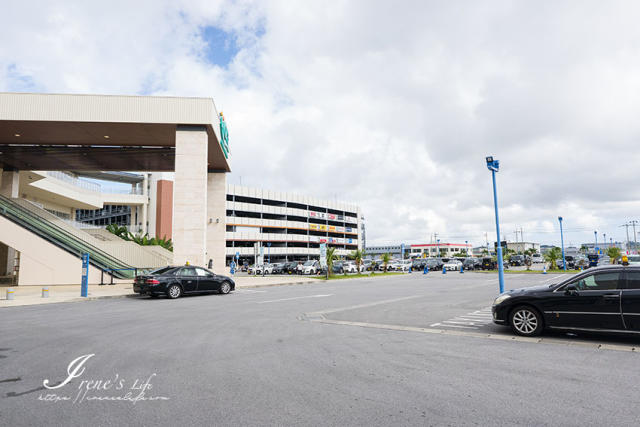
x: 471, y: 320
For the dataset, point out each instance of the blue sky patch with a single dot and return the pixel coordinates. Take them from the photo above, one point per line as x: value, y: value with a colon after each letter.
x: 221, y: 46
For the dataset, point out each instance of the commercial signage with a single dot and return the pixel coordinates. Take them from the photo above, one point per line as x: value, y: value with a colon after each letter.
x: 224, y: 137
x: 313, y: 226
x: 332, y: 228
x: 323, y: 254
x: 322, y: 227
x: 331, y: 216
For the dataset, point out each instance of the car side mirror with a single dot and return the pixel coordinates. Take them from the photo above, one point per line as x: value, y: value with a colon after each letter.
x: 571, y: 290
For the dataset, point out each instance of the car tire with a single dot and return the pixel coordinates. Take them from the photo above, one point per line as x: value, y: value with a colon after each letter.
x: 174, y: 291
x: 526, y: 321
x: 225, y: 288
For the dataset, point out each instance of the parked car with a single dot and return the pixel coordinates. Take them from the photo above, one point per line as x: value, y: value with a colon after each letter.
x: 453, y: 264
x: 311, y: 267
x: 177, y: 281
x: 489, y: 263
x: 278, y: 268
x: 435, y: 264
x: 349, y: 267
x: 471, y: 263
x: 537, y: 258
x: 517, y: 260
x: 419, y: 263
x: 599, y: 299
x: 569, y: 259
x: 290, y: 267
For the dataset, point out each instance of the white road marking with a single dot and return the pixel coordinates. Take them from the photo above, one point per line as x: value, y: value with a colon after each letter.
x: 472, y: 320
x: 294, y: 298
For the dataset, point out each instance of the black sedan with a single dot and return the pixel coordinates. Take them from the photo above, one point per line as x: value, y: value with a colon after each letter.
x: 177, y: 281
x: 605, y: 299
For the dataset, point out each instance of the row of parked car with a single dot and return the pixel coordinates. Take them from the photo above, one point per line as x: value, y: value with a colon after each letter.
x: 454, y: 264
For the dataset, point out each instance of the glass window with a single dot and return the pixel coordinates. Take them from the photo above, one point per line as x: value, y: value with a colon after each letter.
x: 187, y: 271
x: 201, y: 272
x: 633, y: 280
x: 598, y: 282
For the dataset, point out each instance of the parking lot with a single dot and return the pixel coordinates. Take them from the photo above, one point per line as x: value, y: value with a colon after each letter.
x: 411, y: 349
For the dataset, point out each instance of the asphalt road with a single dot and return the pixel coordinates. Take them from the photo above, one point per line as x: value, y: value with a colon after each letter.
x: 381, y: 351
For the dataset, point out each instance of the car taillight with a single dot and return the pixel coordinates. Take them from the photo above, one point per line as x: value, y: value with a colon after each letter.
x: 152, y: 282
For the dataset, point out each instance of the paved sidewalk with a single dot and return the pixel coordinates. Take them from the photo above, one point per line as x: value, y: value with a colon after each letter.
x: 32, y: 295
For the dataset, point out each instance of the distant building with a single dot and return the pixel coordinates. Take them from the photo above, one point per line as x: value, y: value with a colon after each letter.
x: 520, y: 247
x: 420, y: 250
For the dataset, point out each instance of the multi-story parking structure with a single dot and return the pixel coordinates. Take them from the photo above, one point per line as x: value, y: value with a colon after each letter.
x: 289, y: 227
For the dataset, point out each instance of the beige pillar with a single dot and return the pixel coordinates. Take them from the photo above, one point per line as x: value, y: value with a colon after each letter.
x: 10, y: 184
x: 190, y: 196
x: 216, y: 223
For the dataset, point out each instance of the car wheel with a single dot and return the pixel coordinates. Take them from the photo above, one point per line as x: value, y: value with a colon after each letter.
x: 174, y: 291
x: 225, y: 288
x: 526, y: 321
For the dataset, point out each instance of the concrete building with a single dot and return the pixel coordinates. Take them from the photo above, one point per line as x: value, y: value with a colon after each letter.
x: 421, y: 250
x: 95, y: 133
x: 288, y: 226
x: 520, y: 247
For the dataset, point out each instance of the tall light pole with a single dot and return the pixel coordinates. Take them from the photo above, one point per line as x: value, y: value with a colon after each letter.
x: 595, y: 245
x: 635, y: 236
x: 466, y: 247
x: 493, y: 165
x: 564, y: 262
x: 604, y: 240
x: 438, y: 247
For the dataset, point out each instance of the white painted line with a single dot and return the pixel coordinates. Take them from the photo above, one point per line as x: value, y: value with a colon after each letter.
x: 455, y: 322
x: 294, y: 298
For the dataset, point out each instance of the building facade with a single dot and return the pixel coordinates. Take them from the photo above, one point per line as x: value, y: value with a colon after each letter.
x: 288, y: 227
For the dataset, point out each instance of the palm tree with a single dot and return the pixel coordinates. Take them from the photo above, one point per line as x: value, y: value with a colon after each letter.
x: 331, y: 256
x: 614, y: 253
x: 357, y: 255
x: 552, y: 256
x: 385, y: 258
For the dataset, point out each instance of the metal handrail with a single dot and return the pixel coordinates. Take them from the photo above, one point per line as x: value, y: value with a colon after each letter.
x: 57, y: 236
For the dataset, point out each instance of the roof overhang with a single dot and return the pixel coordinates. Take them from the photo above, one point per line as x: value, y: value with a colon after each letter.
x: 101, y: 132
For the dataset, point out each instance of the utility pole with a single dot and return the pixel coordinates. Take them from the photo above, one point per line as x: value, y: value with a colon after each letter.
x: 486, y: 239
x: 635, y: 240
x: 626, y: 226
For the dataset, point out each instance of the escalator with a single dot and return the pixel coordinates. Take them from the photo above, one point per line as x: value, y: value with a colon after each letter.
x: 63, y: 239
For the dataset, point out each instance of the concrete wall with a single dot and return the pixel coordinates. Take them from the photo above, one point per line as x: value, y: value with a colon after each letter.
x: 42, y: 263
x: 216, y: 224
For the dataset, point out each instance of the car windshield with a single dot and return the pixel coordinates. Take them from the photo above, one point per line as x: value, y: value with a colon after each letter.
x: 309, y: 263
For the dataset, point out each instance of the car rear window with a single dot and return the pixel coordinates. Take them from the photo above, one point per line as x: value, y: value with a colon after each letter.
x: 163, y: 270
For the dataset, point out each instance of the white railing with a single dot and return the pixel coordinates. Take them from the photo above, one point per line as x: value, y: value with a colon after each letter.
x: 77, y: 182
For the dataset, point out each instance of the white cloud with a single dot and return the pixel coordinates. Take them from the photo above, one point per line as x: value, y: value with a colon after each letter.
x: 391, y: 105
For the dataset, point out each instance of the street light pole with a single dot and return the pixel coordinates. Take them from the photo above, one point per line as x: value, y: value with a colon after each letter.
x: 595, y: 245
x: 493, y: 165
x: 604, y: 240
x: 564, y: 262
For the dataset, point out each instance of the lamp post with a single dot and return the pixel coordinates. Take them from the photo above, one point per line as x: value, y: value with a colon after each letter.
x: 269, y: 251
x: 604, y: 240
x: 438, y: 247
x: 493, y: 165
x: 564, y: 262
x: 466, y: 247
x: 595, y: 245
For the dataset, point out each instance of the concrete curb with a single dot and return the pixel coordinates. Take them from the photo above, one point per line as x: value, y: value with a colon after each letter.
x: 134, y: 295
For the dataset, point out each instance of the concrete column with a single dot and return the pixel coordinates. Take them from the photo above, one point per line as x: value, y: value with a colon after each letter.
x: 190, y: 196
x: 216, y: 223
x: 10, y: 184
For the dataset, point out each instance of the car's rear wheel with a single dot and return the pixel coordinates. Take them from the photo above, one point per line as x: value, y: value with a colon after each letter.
x: 526, y: 321
x: 225, y: 288
x: 174, y: 291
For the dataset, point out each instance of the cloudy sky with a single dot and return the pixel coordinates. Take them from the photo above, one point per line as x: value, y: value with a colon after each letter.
x: 391, y: 105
